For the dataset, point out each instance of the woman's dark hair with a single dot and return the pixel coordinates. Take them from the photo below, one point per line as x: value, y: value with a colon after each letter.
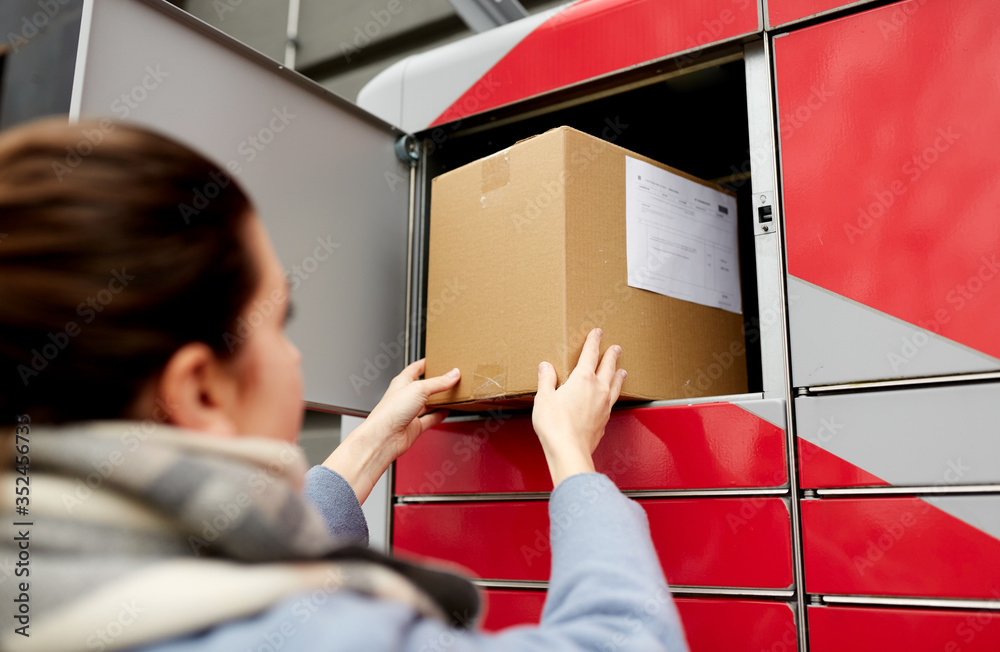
x: 117, y: 247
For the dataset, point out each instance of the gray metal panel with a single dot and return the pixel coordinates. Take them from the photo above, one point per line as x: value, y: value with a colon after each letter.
x: 319, y: 170
x: 767, y: 243
x: 942, y: 436
x: 933, y: 603
x: 837, y: 340
x: 772, y: 410
x: 982, y: 512
x: 772, y: 300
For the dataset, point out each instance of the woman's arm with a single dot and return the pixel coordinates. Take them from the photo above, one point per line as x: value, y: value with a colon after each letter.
x: 391, y: 428
x: 347, y: 477
x: 336, y: 500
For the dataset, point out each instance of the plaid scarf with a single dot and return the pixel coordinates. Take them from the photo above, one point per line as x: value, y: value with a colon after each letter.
x: 141, y: 532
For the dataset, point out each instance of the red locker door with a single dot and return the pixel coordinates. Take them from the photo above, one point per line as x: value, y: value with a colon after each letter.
x: 939, y: 436
x: 723, y: 542
x: 509, y: 607
x: 930, y: 547
x: 710, y: 624
x: 714, y: 625
x: 891, y: 178
x: 836, y: 629
x: 783, y: 12
x: 705, y: 446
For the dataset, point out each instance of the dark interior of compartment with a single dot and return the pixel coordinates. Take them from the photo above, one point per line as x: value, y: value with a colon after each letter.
x: 696, y: 122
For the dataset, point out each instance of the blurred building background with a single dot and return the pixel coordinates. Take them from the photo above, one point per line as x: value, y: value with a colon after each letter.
x: 341, y: 44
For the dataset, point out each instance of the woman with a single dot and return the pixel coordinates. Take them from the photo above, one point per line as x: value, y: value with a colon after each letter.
x: 156, y: 498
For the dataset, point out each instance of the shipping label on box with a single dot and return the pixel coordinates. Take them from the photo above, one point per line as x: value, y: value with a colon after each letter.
x: 681, y: 237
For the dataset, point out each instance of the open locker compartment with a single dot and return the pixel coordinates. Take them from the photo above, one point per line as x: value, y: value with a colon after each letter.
x: 337, y: 170
x: 690, y: 113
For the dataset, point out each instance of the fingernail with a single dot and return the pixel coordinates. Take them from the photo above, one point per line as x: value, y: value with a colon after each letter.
x: 599, y: 331
x: 454, y: 372
x: 618, y: 349
x: 624, y: 373
x: 541, y: 367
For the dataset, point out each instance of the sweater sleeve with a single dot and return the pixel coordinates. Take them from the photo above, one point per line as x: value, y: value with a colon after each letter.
x: 607, y: 592
x: 336, y: 500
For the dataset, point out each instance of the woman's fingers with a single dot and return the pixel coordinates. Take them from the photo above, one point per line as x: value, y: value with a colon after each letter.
x: 616, y: 385
x: 591, y: 352
x: 432, y: 419
x: 436, y: 384
x: 609, y: 364
x: 546, y: 378
x: 409, y: 374
x: 412, y: 371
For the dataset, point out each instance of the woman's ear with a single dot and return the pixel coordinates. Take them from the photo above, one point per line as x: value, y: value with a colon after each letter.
x: 202, y: 392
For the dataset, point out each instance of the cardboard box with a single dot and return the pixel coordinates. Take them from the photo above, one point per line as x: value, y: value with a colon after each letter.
x: 528, y: 253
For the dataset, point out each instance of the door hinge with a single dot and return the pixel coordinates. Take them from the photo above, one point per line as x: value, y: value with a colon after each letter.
x: 408, y: 149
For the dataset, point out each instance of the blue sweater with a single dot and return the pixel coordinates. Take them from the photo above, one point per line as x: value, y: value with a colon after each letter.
x: 606, y: 592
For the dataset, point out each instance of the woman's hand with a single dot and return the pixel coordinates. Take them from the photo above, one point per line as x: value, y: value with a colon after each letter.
x: 401, y: 415
x: 391, y: 428
x: 570, y: 421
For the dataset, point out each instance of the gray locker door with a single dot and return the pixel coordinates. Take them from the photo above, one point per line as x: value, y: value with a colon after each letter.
x: 322, y: 174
